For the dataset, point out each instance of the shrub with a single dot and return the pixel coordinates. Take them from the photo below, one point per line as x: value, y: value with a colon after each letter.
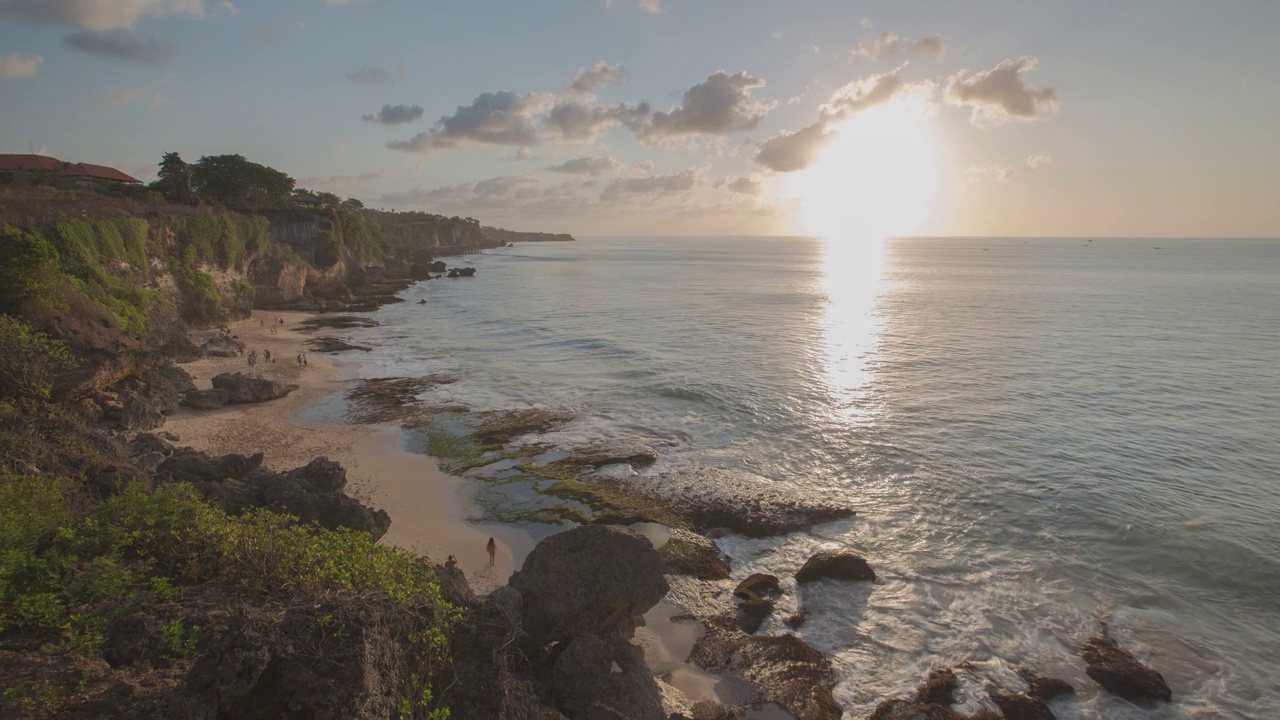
x: 28, y: 267
x: 30, y: 361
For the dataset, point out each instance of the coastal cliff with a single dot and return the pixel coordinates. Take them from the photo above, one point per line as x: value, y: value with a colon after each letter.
x: 503, y: 237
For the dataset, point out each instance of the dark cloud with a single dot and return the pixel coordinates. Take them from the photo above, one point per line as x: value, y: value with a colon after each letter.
x: 1001, y: 94
x: 888, y: 43
x: 653, y: 185
x: 720, y: 106
x: 788, y: 152
x: 395, y: 115
x: 580, y: 120
x: 97, y: 15
x: 501, y: 118
x: 376, y: 74
x: 745, y: 186
x: 121, y: 46
x: 588, y: 81
x: 593, y: 166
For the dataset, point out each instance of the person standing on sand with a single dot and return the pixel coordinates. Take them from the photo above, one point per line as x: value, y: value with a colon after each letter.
x: 492, y: 547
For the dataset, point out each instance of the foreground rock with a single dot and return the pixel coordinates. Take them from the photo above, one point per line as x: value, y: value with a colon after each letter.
x: 783, y: 668
x: 836, y: 565
x: 691, y: 554
x: 760, y: 584
x: 592, y: 580
x: 595, y: 679
x: 313, y: 493
x: 614, y: 452
x: 1120, y: 672
x: 243, y: 388
x: 501, y: 427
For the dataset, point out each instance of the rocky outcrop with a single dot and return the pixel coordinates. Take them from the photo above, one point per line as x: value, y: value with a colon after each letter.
x: 836, y: 565
x: 142, y: 401
x: 592, y: 580
x: 595, y: 679
x: 1120, y: 672
x: 783, y: 668
x: 758, y: 584
x: 243, y: 388
x: 691, y: 554
x: 1021, y: 706
x: 462, y: 272
x: 313, y: 493
x: 612, y: 452
x: 716, y: 501
x: 210, y: 399
x: 501, y: 427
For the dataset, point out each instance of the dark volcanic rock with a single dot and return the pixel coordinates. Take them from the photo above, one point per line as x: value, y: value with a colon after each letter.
x: 795, y: 621
x: 688, y: 553
x: 211, y: 399
x: 144, y: 400
x: 191, y: 466
x: 1020, y: 706
x: 594, y: 679
x: 838, y: 565
x: 1045, y: 688
x: 438, y: 266
x: 612, y: 452
x: 784, y: 669
x: 591, y: 580
x: 939, y: 688
x: 501, y: 427
x: 760, y: 584
x: 334, y: 345
x: 1120, y: 672
x: 462, y: 272
x: 243, y: 388
x: 752, y: 611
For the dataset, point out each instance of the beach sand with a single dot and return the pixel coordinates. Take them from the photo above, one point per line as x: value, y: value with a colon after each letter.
x: 425, y: 504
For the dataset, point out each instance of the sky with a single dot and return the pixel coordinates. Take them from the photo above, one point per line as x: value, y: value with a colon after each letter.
x: 1104, y: 118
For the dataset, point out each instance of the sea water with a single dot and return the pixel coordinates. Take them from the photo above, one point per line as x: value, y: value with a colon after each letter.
x: 1037, y: 435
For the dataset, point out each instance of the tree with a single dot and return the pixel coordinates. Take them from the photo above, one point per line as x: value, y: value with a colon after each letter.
x: 352, y: 204
x: 174, y: 179
x: 237, y: 183
x: 30, y: 361
x: 329, y: 199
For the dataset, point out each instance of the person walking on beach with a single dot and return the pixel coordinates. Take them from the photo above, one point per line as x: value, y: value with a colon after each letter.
x: 492, y: 547
x: 451, y: 563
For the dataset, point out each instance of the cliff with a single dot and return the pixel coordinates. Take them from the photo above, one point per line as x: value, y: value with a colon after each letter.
x: 503, y: 237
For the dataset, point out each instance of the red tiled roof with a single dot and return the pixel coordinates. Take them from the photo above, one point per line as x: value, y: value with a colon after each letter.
x: 98, y: 172
x: 29, y: 162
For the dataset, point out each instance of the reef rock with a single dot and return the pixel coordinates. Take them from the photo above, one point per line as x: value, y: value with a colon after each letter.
x: 211, y: 399
x: 613, y: 452
x: 761, y: 584
x: 592, y: 580
x: 1120, y: 672
x: 688, y: 553
x: 837, y: 565
x: 243, y: 388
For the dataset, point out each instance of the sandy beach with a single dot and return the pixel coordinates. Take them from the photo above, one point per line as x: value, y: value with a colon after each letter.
x: 424, y: 503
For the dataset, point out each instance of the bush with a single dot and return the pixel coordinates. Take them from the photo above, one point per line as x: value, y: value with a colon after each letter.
x: 28, y: 267
x: 30, y: 361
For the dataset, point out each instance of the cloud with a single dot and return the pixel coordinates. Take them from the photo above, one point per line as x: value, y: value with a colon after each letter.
x: 580, y: 119
x: 719, y: 106
x: 395, y: 115
x: 376, y: 74
x: 501, y: 118
x: 1006, y: 173
x: 889, y: 43
x: 643, y: 166
x: 97, y: 15
x: 1001, y: 94
x: 228, y: 7
x: 651, y: 6
x: 791, y: 151
x: 337, y: 148
x: 14, y: 65
x: 337, y: 181
x: 266, y: 33
x: 654, y: 185
x: 121, y: 46
x: 118, y: 98
x: 788, y: 152
x: 157, y: 100
x: 745, y: 186
x: 522, y: 153
x: 588, y: 81
x: 592, y: 165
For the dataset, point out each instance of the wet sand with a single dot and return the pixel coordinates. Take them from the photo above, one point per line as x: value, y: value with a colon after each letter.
x: 424, y: 503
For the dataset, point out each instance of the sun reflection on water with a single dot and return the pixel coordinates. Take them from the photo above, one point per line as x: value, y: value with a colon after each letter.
x: 853, y: 272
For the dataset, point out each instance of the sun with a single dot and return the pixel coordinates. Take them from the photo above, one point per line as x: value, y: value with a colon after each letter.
x: 875, y: 179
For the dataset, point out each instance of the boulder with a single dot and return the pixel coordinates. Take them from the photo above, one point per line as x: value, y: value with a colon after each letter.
x: 438, y: 266
x: 718, y: 501
x: 211, y: 399
x: 598, y: 680
x: 243, y: 388
x: 612, y: 452
x: 1045, y: 688
x: 760, y: 584
x: 314, y: 493
x: 1021, y: 706
x: 462, y: 272
x: 939, y: 688
x: 752, y: 611
x: 688, y: 553
x: 143, y: 400
x: 191, y: 466
x: 1120, y: 672
x: 837, y: 565
x: 795, y: 621
x: 221, y: 352
x: 591, y: 580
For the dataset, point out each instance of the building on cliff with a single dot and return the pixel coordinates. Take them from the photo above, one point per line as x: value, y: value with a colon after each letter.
x: 53, y: 166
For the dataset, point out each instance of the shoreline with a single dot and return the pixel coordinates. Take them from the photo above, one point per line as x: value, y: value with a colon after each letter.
x: 425, y: 504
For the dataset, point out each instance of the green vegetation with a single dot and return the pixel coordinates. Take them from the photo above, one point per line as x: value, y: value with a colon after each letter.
x: 234, y: 182
x: 30, y: 361
x: 174, y: 179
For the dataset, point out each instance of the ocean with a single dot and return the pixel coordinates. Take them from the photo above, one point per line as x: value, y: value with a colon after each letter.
x: 1037, y: 434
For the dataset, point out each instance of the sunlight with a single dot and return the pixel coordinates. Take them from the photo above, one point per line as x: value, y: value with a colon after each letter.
x: 875, y: 180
